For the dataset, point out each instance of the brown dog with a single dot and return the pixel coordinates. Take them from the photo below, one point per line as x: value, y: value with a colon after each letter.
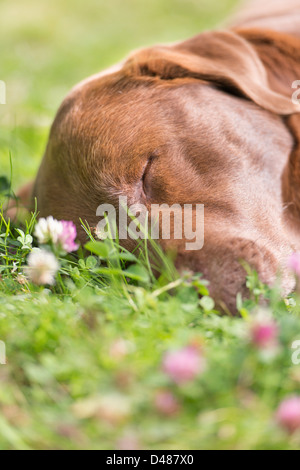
x: 210, y: 120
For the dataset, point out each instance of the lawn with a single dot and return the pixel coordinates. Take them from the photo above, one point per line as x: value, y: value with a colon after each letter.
x: 94, y: 358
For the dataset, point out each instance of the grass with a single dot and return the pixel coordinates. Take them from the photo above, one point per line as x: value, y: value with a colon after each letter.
x: 84, y: 357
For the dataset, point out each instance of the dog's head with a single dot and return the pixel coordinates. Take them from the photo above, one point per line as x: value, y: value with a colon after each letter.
x: 200, y: 122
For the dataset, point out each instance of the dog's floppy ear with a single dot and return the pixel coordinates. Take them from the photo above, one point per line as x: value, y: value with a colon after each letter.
x: 221, y: 57
x: 280, y: 55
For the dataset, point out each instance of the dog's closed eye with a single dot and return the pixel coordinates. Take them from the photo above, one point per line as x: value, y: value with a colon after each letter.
x: 147, y: 177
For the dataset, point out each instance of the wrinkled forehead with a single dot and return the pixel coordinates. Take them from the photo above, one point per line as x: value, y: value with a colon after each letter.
x: 126, y: 115
x: 119, y: 118
x: 141, y: 111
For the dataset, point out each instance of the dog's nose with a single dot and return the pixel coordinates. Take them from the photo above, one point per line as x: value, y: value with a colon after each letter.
x: 223, y: 264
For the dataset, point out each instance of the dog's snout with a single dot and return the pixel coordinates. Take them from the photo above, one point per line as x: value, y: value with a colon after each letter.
x: 224, y: 264
x: 230, y: 274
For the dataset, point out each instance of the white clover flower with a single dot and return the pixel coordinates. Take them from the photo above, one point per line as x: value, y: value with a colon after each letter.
x: 48, y: 230
x: 42, y: 267
x: 61, y: 233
